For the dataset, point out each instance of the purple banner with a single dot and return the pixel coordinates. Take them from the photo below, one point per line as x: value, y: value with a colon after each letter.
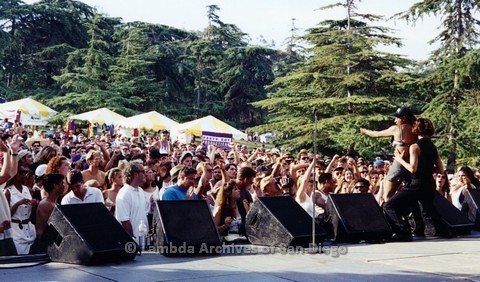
x: 220, y: 140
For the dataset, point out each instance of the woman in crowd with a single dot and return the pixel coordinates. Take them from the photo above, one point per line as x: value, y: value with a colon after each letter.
x: 114, y: 181
x: 443, y: 185
x: 149, y: 187
x: 376, y: 186
x: 21, y: 203
x: 467, y: 180
x: 45, y: 155
x: 58, y: 164
x: 305, y: 192
x: 226, y: 214
x: 163, y: 177
x: 346, y: 182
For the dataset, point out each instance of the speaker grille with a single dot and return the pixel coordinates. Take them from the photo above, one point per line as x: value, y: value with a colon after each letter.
x: 359, y: 212
x: 95, y: 224
x: 290, y: 214
x: 188, y: 221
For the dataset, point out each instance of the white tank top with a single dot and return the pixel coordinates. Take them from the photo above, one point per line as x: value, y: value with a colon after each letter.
x: 165, y: 148
x: 308, y: 207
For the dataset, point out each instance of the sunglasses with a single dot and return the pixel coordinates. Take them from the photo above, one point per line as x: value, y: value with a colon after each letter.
x: 364, y: 171
x: 305, y: 158
x: 360, y: 187
x: 231, y: 159
x: 124, y: 149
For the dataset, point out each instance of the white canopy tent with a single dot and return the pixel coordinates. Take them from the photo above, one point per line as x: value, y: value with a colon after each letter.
x: 31, y: 111
x: 149, y: 121
x: 183, y: 132
x: 100, y: 116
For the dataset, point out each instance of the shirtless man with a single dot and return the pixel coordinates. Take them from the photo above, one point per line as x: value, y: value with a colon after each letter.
x: 402, y: 139
x: 94, y: 160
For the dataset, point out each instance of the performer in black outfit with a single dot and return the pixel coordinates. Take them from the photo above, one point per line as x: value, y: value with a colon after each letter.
x: 424, y: 159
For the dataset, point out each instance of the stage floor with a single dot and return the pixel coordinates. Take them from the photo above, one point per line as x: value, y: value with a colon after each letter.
x: 430, y: 259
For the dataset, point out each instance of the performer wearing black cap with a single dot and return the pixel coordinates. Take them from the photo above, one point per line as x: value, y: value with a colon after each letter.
x: 402, y: 139
x: 424, y: 160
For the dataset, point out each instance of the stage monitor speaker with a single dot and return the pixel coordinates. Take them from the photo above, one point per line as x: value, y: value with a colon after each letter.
x: 453, y: 221
x: 183, y: 228
x: 471, y: 206
x: 88, y: 234
x: 281, y: 221
x: 356, y: 217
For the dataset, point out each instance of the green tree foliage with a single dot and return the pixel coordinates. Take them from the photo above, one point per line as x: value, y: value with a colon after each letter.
x: 348, y: 82
x: 244, y: 71
x: 86, y: 76
x: 451, y: 81
x: 38, y: 38
x: 206, y: 54
x: 148, y: 66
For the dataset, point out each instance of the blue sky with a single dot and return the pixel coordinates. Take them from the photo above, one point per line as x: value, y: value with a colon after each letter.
x: 271, y: 19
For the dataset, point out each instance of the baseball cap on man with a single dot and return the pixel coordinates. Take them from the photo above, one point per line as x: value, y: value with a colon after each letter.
x: 403, y: 112
x: 22, y: 154
x: 378, y: 163
x: 184, y: 154
x: 40, y: 170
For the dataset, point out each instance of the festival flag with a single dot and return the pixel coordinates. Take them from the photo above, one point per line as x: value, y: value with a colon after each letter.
x: 90, y: 130
x: 111, y: 129
x: 70, y: 126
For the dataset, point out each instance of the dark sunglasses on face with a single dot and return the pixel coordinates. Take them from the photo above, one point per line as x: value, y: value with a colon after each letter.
x: 360, y: 187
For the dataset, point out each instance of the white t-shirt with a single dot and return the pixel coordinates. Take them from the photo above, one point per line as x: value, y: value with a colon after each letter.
x: 93, y: 195
x: 131, y: 205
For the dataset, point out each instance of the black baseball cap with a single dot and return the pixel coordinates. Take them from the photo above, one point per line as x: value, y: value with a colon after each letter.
x: 403, y: 112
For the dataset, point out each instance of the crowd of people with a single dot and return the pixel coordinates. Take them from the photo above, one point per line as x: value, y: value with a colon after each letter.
x: 129, y: 174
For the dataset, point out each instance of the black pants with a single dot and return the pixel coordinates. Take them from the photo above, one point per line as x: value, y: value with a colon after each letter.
x: 398, y: 207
